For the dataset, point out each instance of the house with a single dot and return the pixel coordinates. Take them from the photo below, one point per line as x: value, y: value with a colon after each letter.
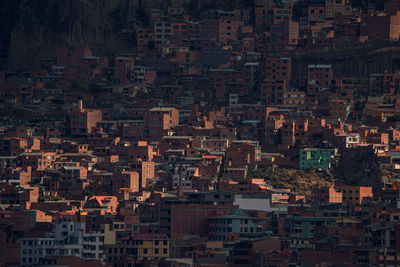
x: 102, y: 204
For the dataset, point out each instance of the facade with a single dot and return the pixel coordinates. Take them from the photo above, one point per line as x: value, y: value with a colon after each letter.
x: 158, y: 119
x: 316, y: 13
x: 139, y: 247
x: 69, y: 239
x: 276, y: 84
x: 220, y: 227
x: 326, y: 195
x: 83, y: 120
x: 314, y: 158
x: 189, y: 218
x: 334, y: 8
x: 339, y: 109
x: 12, y: 146
x: 305, y: 227
x: 162, y: 31
x: 355, y: 195
x: 102, y: 204
x: 319, y: 79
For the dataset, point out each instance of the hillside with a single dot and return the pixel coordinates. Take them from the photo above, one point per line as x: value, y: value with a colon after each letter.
x: 31, y: 30
x: 298, y: 181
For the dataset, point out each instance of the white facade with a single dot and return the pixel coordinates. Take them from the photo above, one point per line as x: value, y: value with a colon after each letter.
x: 351, y: 140
x: 69, y: 239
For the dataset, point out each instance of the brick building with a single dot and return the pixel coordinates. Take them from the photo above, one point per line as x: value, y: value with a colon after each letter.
x: 382, y: 27
x: 82, y: 121
x: 277, y: 81
x: 355, y: 195
x: 326, y: 195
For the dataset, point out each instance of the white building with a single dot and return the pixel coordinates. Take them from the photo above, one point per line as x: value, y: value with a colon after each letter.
x: 259, y: 203
x: 69, y: 239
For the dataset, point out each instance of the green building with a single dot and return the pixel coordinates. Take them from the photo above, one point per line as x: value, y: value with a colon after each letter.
x: 305, y: 227
x: 239, y: 222
x: 316, y: 158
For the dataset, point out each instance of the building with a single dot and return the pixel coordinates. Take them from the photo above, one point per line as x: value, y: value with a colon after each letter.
x: 161, y: 118
x: 381, y: 27
x: 12, y: 146
x: 228, y: 29
x: 69, y: 239
x: 139, y: 247
x: 277, y: 80
x: 285, y: 34
x: 192, y: 218
x: 326, y: 195
x: 162, y: 31
x: 355, y: 195
x: 334, y: 8
x: 315, y: 158
x: 347, y: 140
x: 319, y: 79
x: 237, y: 223
x: 392, y: 6
x: 128, y: 181
x: 102, y: 204
x: 339, y: 109
x: 82, y: 121
x: 316, y: 13
x: 305, y: 227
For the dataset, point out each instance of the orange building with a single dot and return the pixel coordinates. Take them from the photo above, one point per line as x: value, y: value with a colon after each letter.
x: 325, y: 195
x: 37, y: 160
x: 355, y: 194
x: 103, y: 204
x: 243, y: 152
x: 126, y: 181
x: 161, y: 118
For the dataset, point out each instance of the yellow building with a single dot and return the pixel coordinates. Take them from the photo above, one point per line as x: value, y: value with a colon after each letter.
x: 139, y: 247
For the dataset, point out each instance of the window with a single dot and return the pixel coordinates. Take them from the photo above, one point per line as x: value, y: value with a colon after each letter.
x: 145, y: 251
